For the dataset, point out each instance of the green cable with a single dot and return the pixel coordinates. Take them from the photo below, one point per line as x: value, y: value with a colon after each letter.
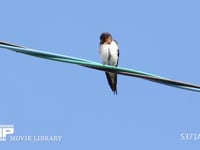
x: 99, y: 66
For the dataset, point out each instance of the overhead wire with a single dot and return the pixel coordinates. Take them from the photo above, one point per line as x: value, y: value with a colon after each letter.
x: 99, y: 66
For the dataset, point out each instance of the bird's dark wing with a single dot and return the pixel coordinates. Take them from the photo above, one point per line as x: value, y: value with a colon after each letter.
x: 118, y: 57
x: 112, y: 80
x: 117, y: 52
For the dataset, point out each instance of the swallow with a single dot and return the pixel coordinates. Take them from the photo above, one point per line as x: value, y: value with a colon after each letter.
x: 109, y: 53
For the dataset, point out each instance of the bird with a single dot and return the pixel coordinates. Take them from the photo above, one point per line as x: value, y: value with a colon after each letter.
x: 109, y: 53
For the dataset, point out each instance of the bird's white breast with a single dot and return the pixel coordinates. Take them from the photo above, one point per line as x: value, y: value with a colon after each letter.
x: 109, y: 53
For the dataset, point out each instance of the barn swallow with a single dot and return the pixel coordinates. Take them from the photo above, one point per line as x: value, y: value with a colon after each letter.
x: 109, y: 53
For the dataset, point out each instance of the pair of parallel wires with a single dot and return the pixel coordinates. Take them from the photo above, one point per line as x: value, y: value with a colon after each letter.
x: 99, y: 66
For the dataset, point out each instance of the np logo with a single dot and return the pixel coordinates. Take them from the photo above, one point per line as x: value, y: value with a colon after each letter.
x: 6, y: 130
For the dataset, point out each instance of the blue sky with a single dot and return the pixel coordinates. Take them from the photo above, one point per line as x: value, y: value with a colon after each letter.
x: 42, y: 97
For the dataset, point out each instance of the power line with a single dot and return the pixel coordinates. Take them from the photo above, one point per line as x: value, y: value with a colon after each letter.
x: 98, y: 66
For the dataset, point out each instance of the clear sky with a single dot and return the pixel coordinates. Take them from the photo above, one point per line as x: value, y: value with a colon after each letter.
x: 42, y: 97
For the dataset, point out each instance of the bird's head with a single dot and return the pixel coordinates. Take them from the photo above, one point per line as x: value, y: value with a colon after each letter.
x: 105, y: 38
